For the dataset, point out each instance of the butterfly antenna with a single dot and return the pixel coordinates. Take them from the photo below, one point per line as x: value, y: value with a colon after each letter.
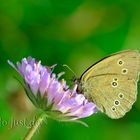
x: 64, y: 65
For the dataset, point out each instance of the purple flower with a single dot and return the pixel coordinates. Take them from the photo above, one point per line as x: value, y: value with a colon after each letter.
x: 49, y: 94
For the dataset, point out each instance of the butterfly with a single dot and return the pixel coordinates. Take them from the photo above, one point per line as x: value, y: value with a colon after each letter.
x: 111, y: 83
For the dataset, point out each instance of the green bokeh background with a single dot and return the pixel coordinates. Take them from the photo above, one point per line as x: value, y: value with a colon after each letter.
x: 76, y: 33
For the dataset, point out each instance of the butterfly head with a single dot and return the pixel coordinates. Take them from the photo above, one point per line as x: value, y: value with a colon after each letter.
x: 76, y: 81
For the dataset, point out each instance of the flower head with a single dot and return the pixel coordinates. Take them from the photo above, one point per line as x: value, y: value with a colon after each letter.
x: 51, y: 95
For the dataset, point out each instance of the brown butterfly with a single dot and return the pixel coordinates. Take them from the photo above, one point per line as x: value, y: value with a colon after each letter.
x: 111, y: 83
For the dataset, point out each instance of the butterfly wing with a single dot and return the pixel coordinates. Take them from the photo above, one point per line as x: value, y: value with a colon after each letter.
x: 112, y: 83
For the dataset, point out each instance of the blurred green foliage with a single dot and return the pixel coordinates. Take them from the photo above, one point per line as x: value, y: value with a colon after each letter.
x: 76, y: 33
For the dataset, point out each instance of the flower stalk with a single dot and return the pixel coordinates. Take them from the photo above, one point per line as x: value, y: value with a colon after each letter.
x: 34, y: 128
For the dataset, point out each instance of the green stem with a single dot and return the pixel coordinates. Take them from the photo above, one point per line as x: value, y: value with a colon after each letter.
x: 34, y: 128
